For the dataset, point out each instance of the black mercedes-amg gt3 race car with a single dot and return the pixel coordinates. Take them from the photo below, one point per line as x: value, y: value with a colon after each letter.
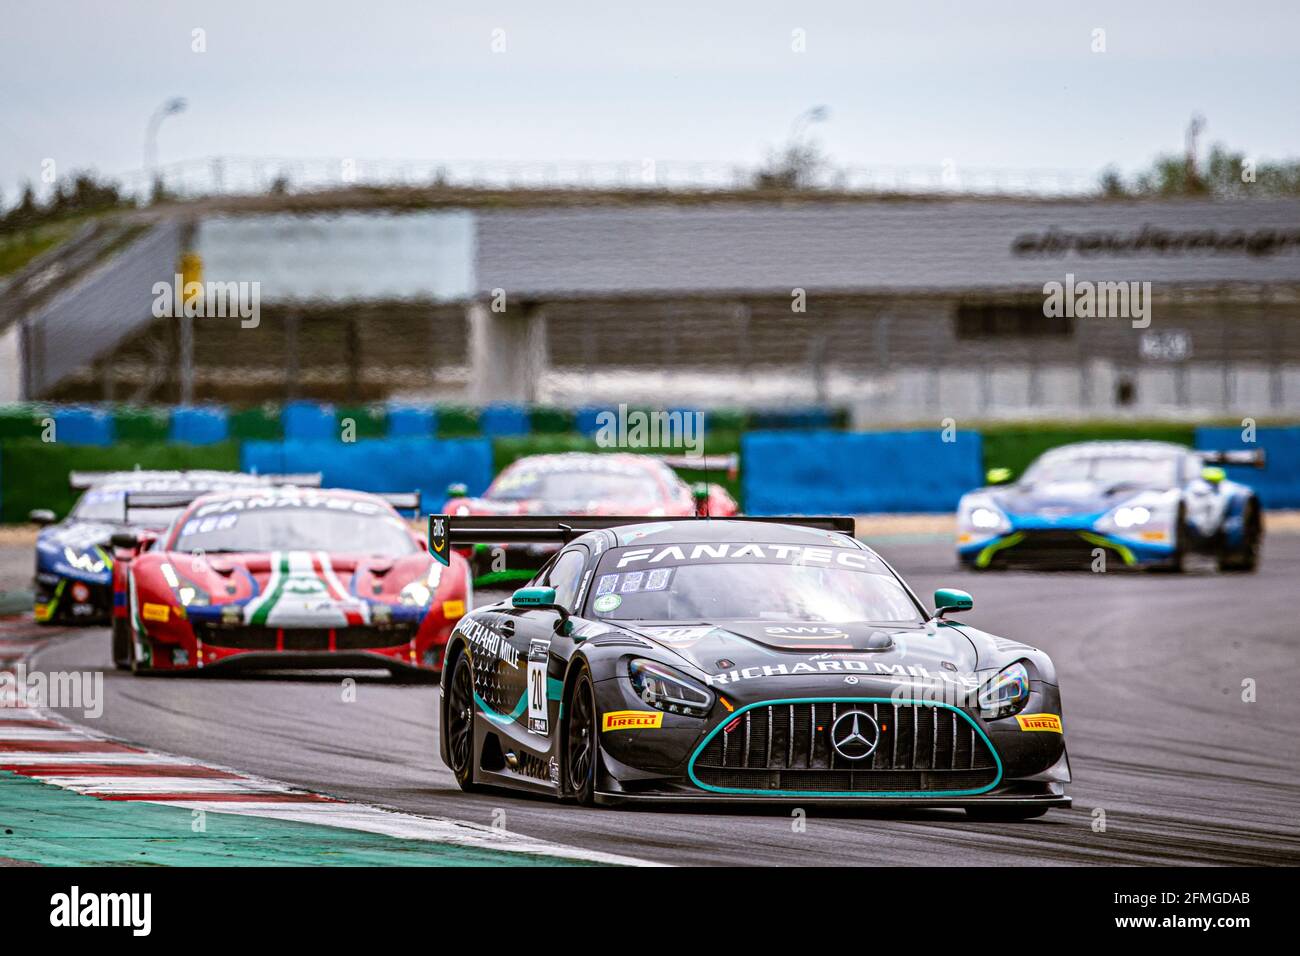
x: 739, y: 659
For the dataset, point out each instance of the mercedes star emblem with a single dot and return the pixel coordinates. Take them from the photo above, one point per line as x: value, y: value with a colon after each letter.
x: 854, y: 735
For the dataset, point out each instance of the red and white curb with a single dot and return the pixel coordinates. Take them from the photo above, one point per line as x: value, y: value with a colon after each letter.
x: 43, y: 746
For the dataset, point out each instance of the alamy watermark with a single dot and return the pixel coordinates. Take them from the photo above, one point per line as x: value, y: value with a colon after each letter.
x: 1098, y: 300
x: 83, y: 690
x: 212, y: 300
x: 641, y: 429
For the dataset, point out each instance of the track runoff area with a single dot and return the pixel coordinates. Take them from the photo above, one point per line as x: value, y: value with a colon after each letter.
x: 1172, y: 763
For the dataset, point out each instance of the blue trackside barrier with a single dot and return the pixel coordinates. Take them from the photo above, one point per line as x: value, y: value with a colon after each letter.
x: 206, y: 425
x: 381, y: 464
x: 412, y: 421
x: 1278, y: 482
x: 833, y: 472
x: 584, y: 420
x: 498, y: 421
x: 83, y: 426
x: 307, y: 421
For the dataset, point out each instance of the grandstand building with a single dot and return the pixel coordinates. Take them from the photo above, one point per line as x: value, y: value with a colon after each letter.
x: 898, y: 309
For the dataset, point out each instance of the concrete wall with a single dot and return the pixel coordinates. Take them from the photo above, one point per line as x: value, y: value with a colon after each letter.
x: 11, y: 364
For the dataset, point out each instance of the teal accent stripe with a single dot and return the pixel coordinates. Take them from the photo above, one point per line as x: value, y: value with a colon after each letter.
x: 500, y: 718
x: 875, y: 794
x: 554, y: 691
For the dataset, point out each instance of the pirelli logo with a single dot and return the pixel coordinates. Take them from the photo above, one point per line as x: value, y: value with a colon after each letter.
x: 632, y: 720
x: 1048, y: 722
x: 155, y: 612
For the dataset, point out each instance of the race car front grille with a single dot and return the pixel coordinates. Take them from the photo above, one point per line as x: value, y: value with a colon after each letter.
x: 304, y: 638
x: 1056, y: 549
x: 788, y: 747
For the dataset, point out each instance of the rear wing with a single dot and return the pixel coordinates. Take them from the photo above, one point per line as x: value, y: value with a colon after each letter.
x: 719, y: 463
x: 160, y: 500
x: 401, y: 500
x: 1248, y: 459
x: 450, y: 531
x: 155, y: 501
x: 218, y: 480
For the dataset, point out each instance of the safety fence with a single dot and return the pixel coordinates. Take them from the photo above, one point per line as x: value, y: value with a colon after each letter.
x: 306, y: 420
x: 781, y: 470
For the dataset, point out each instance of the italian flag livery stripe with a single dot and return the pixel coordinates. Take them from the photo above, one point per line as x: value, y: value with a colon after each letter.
x: 304, y: 591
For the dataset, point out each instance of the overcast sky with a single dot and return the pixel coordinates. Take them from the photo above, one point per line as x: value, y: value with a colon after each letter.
x: 983, y: 84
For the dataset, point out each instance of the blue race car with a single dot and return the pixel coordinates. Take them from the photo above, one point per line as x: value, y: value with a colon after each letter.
x: 74, y: 557
x: 1147, y: 503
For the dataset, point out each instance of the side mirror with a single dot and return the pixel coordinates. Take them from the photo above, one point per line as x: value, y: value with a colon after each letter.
x: 543, y: 599
x: 457, y: 490
x: 998, y: 476
x: 947, y: 600
x: 126, y: 540
x: 41, y: 516
x: 1213, y: 474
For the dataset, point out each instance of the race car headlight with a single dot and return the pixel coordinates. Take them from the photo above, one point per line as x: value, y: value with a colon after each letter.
x: 1005, y: 693
x: 1131, y: 517
x: 83, y: 561
x: 981, y: 514
x: 190, y: 596
x: 1144, y: 511
x: 186, y: 593
x: 665, y: 689
x: 415, y: 594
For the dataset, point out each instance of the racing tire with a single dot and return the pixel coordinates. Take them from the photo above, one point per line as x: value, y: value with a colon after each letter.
x: 1246, y: 559
x: 1178, y: 563
x: 121, y: 644
x: 459, y: 716
x: 581, y: 741
x: 1005, y: 814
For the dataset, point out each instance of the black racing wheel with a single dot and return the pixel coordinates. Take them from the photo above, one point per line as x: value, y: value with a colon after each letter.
x: 121, y: 644
x: 1245, y: 558
x: 581, y: 741
x: 460, y: 723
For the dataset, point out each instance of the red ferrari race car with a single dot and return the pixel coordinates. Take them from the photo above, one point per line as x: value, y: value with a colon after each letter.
x: 584, y: 483
x: 284, y: 578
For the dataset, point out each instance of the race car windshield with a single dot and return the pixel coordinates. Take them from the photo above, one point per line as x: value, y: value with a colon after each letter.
x: 295, y: 529
x: 107, y: 506
x: 575, y: 488
x: 1106, y: 470
x: 754, y: 592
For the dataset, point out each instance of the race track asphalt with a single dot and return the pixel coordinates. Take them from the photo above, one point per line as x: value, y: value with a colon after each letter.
x: 1171, y: 764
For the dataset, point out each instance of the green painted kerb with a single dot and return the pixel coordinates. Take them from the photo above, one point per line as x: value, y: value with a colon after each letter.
x: 45, y: 824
